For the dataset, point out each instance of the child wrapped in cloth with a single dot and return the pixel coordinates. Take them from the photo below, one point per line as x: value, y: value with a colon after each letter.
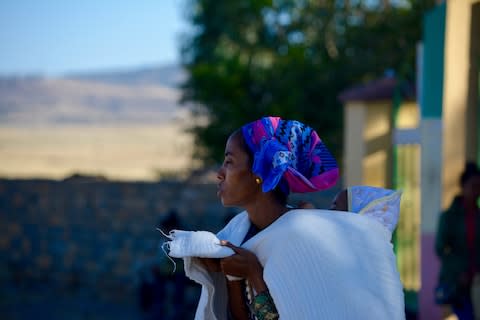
x: 271, y: 261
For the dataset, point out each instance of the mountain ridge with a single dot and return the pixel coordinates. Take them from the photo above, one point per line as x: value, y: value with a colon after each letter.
x: 94, y: 124
x: 166, y: 75
x: 147, y: 95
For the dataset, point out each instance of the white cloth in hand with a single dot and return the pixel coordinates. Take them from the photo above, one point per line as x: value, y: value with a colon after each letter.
x: 202, y: 244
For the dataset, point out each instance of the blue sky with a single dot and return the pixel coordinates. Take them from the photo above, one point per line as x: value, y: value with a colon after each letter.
x: 52, y: 37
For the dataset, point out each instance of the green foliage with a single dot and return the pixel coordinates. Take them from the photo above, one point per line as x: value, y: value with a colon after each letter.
x: 291, y: 58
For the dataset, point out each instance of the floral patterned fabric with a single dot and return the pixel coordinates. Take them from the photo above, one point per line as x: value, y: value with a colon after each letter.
x: 381, y: 204
x: 263, y: 307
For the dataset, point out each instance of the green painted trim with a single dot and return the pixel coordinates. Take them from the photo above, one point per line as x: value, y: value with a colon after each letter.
x: 396, y: 101
x: 433, y: 62
x: 478, y: 116
x: 411, y: 301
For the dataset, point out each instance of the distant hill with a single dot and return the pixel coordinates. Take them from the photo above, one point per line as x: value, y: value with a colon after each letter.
x: 125, y: 125
x: 169, y: 76
x: 136, y: 96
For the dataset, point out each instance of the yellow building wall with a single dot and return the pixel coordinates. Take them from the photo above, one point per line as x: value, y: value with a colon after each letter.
x: 408, y: 116
x: 407, y: 179
x: 354, y: 146
x: 368, y: 161
x: 378, y: 140
x: 456, y: 112
x: 367, y: 144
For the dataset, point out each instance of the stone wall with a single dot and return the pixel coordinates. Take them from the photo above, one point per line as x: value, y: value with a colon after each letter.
x: 92, y: 231
x: 95, y: 235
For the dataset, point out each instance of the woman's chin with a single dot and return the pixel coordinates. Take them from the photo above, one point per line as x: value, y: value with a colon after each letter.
x: 225, y: 202
x: 220, y: 196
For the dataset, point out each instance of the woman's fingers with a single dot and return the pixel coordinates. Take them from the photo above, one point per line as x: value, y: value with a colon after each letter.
x: 226, y: 243
x: 243, y: 263
x: 246, y: 254
x: 234, y: 266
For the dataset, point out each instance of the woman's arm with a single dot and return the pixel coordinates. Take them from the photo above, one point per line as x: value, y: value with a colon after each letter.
x: 210, y: 264
x: 245, y: 264
x: 236, y: 300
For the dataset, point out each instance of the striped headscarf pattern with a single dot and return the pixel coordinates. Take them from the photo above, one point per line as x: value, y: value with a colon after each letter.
x: 290, y: 154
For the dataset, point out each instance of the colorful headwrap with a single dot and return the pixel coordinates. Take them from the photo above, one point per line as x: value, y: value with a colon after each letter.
x: 290, y: 154
x: 379, y: 203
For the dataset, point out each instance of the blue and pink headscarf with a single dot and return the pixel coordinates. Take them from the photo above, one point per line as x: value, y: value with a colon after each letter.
x: 289, y: 154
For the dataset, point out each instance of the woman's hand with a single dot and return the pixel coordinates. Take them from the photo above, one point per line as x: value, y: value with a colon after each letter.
x: 243, y: 264
x: 211, y: 264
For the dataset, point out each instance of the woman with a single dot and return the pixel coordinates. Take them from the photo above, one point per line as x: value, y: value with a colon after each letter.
x: 457, y: 245
x: 256, y: 158
x: 289, y: 263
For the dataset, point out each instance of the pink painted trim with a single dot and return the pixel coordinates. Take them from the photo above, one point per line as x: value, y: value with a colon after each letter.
x: 430, y: 267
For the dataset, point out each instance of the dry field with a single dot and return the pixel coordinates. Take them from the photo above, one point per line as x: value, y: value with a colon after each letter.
x: 55, y: 127
x: 132, y: 152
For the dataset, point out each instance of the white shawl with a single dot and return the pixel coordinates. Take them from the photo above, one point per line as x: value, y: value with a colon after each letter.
x: 318, y: 264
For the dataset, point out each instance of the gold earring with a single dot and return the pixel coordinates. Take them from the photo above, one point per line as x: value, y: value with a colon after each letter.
x: 258, y: 180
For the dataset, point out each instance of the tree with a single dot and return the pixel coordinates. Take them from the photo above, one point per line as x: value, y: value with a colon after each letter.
x: 291, y: 58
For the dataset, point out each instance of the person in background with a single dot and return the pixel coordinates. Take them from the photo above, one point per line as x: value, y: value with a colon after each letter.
x: 457, y: 245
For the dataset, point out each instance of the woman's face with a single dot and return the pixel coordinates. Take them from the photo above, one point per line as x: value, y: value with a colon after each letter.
x: 237, y: 186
